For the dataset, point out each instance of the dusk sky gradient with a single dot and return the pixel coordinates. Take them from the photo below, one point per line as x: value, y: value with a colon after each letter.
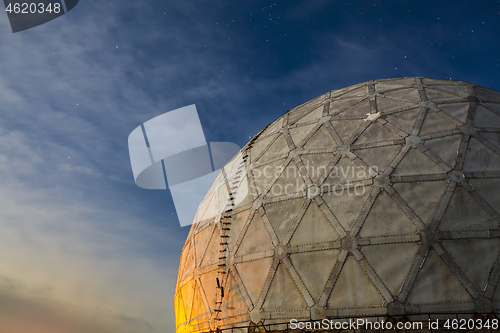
x: 82, y: 248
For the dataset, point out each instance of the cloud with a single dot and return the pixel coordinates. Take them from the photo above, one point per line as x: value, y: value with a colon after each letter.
x: 77, y: 252
x: 25, y: 310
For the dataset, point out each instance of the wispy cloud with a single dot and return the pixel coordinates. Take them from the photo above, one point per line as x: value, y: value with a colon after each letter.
x: 77, y: 249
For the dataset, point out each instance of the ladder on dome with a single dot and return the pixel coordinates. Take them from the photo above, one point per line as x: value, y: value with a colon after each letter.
x: 224, y: 229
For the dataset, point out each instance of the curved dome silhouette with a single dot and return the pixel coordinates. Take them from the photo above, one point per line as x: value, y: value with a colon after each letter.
x: 379, y: 199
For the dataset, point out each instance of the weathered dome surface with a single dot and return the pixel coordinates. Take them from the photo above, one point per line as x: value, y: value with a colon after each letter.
x: 395, y: 211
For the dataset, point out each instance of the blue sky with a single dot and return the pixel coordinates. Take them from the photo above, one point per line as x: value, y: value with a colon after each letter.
x: 82, y: 248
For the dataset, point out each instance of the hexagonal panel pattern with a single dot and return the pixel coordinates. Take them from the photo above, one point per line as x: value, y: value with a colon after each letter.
x: 377, y: 199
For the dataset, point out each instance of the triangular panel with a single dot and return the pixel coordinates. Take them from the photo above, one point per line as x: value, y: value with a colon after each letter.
x: 416, y: 163
x: 438, y: 96
x: 265, y: 174
x: 494, y: 107
x: 379, y: 157
x: 445, y: 148
x: 283, y: 294
x: 391, y: 262
x: 456, y: 110
x: 381, y: 87
x: 435, y: 123
x: 237, y: 222
x: 475, y: 257
x: 388, y: 104
x: 353, y: 288
x: 279, y: 147
x: 320, y: 139
x: 405, y: 81
x: 493, y: 138
x: 186, y: 265
x: 408, y: 94
x: 299, y: 133
x: 313, y: 116
x: 341, y: 104
x: 259, y: 145
x: 461, y: 91
x: 359, y: 92
x: 212, y: 254
x: 434, y: 81
x: 288, y: 183
x: 282, y: 214
x: 480, y: 158
x: 486, y: 118
x: 345, y: 206
x: 199, y: 314
x: 422, y: 197
x: 487, y: 95
x: 464, y: 213
x: 256, y: 238
x: 273, y: 128
x: 233, y: 303
x: 346, y: 128
x: 313, y: 275
x: 346, y: 170
x: 487, y: 188
x: 316, y: 165
x: 253, y: 275
x: 180, y: 310
x: 385, y: 218
x: 359, y: 110
x: 313, y: 228
x: 375, y: 133
x: 200, y: 243
x: 187, y: 292
x: 436, y: 283
x: 209, y: 287
x: 404, y: 120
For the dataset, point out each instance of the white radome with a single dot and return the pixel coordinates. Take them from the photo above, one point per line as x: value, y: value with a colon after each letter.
x: 379, y: 199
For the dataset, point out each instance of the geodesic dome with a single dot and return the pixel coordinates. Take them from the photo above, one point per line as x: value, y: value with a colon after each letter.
x: 376, y: 199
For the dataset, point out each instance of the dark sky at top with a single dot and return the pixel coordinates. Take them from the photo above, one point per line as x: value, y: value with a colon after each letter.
x: 73, y: 89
